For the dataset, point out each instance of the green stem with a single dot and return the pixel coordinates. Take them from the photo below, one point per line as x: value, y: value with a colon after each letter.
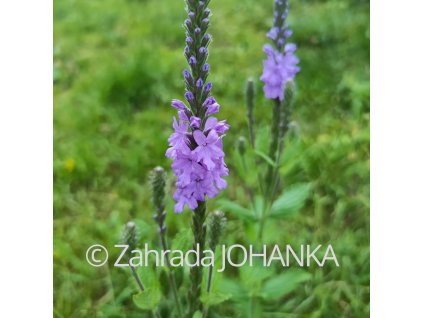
x: 252, y: 307
x: 250, y: 114
x: 208, y: 288
x: 209, y: 278
x: 171, y: 276
x: 274, y: 142
x: 273, y: 154
x: 280, y: 122
x: 196, y: 272
x: 137, y: 278
x: 262, y: 221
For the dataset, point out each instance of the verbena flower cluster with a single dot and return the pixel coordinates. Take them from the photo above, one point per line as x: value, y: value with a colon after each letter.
x: 281, y: 63
x: 196, y: 146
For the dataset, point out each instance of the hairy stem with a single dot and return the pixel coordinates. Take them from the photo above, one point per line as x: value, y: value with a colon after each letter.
x: 137, y: 278
x: 196, y: 272
x: 280, y: 125
x: 250, y: 108
x: 171, y: 275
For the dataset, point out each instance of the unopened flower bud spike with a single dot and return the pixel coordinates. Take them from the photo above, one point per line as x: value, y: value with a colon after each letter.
x: 158, y: 185
x: 130, y: 238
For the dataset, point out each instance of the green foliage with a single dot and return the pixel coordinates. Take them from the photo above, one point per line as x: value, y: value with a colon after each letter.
x: 216, y: 294
x: 150, y: 297
x: 197, y: 314
x: 283, y: 284
x: 117, y: 64
x: 291, y: 201
x: 182, y: 240
x: 236, y: 209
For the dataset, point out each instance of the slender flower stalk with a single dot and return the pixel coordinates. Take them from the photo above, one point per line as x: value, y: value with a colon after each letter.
x: 196, y: 147
x: 158, y: 184
x: 250, y: 95
x: 279, y: 70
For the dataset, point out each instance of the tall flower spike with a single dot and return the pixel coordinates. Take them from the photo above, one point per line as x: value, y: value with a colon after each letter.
x: 196, y: 147
x: 281, y: 63
x: 279, y: 70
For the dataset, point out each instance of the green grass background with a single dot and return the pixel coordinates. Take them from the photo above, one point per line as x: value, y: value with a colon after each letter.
x: 117, y: 65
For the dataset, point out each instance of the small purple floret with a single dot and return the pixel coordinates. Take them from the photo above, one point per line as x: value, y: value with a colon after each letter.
x: 192, y: 60
x: 189, y: 96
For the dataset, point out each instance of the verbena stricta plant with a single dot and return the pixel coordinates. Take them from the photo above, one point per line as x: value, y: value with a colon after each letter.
x: 196, y: 147
x: 279, y: 70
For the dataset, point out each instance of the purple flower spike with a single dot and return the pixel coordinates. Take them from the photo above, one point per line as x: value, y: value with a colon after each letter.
x: 280, y: 65
x: 196, y: 146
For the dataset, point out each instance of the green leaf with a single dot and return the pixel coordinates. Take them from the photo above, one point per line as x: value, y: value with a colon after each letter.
x: 253, y: 276
x: 234, y: 288
x: 291, y: 201
x: 236, y: 209
x: 259, y: 205
x: 214, y: 297
x: 283, y: 284
x: 265, y: 157
x: 183, y: 240
x: 197, y: 314
x: 148, y: 299
x: 216, y: 294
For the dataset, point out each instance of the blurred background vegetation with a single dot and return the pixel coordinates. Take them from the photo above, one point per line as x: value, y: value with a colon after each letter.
x: 117, y: 65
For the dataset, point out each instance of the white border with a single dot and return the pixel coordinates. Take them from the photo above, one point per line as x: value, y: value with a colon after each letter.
x: 26, y: 158
x: 396, y: 158
x: 26, y: 271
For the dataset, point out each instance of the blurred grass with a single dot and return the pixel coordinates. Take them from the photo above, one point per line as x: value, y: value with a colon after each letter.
x: 118, y: 63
